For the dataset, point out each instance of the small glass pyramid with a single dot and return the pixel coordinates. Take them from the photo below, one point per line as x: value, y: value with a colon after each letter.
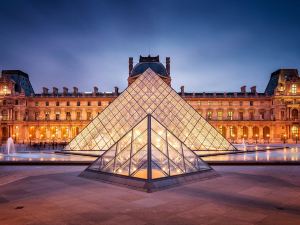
x: 149, y: 94
x: 149, y: 153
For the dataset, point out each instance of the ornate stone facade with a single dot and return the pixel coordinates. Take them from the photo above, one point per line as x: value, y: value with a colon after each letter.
x: 271, y: 116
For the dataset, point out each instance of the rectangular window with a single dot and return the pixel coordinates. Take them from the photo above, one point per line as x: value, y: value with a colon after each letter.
x: 17, y: 102
x: 57, y: 103
x: 220, y: 115
x: 36, y: 103
x: 57, y: 115
x: 230, y: 115
x: 89, y: 116
x: 78, y: 103
x: 209, y: 115
x: 294, y: 89
x: 89, y: 103
x: 68, y: 103
x: 251, y: 103
x: 241, y: 115
x: 282, y: 115
x: 36, y: 115
x: 47, y: 103
x: 78, y: 115
x: 251, y: 115
x: 68, y: 115
x: 99, y: 103
x: 47, y: 115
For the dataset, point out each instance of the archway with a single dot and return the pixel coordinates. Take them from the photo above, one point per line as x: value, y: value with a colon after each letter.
x: 245, y: 132
x: 266, y: 132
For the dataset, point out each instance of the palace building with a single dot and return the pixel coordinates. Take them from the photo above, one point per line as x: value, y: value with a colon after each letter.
x: 57, y: 115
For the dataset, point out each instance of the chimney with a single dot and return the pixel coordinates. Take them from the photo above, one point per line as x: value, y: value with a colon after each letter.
x: 182, y: 90
x: 75, y: 91
x: 65, y: 90
x: 130, y: 65
x: 253, y: 89
x: 116, y: 91
x: 168, y: 65
x: 55, y: 91
x: 96, y: 91
x: 45, y: 91
x: 243, y: 89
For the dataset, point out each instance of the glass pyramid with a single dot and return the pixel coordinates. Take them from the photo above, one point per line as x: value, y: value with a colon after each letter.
x: 149, y: 94
x: 149, y: 151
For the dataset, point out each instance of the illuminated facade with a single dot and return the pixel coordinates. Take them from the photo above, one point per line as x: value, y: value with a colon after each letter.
x: 271, y: 116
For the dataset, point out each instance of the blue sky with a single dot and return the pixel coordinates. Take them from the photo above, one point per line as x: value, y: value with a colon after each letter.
x: 213, y: 45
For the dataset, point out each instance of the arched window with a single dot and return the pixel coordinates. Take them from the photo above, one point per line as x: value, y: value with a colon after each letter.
x: 245, y: 132
x: 233, y: 132
x: 266, y: 132
x: 255, y: 132
x: 294, y: 89
x: 222, y: 130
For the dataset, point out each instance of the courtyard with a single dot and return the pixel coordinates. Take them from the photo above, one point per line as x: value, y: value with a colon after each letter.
x: 240, y: 195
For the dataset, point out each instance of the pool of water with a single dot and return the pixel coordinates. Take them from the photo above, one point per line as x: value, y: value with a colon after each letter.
x: 291, y: 154
x: 43, y: 156
x: 277, y: 155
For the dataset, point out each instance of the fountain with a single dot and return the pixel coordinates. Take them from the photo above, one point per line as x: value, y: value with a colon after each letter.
x: 10, y: 146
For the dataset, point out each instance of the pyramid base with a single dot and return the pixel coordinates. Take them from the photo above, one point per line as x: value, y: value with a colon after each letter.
x: 149, y: 185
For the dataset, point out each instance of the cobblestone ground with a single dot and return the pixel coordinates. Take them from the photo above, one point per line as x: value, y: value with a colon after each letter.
x: 241, y: 195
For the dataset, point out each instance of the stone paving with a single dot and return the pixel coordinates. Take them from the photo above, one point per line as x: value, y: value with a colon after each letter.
x: 241, y: 195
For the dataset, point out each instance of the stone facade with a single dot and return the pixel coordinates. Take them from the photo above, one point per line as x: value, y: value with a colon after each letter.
x: 271, y: 116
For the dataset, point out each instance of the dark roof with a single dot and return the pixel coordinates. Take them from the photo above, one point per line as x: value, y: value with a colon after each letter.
x: 18, y: 72
x: 151, y: 62
x: 273, y: 82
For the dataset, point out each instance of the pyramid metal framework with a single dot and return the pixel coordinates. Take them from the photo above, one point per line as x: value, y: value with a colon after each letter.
x: 151, y: 156
x: 149, y: 94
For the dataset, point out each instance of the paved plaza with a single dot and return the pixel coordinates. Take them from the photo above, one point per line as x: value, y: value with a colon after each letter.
x: 241, y: 195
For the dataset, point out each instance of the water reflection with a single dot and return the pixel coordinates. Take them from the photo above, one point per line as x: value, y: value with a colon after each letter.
x: 284, y: 154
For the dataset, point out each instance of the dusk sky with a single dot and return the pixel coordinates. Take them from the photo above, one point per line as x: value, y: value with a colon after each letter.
x: 213, y: 45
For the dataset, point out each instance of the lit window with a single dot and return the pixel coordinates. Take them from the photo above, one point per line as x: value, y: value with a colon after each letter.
x: 220, y: 115
x: 295, y: 130
x: 230, y: 115
x: 5, y: 90
x: 209, y: 115
x: 294, y: 88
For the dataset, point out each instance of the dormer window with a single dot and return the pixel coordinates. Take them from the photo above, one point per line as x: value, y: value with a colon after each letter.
x: 5, y: 89
x: 294, y: 89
